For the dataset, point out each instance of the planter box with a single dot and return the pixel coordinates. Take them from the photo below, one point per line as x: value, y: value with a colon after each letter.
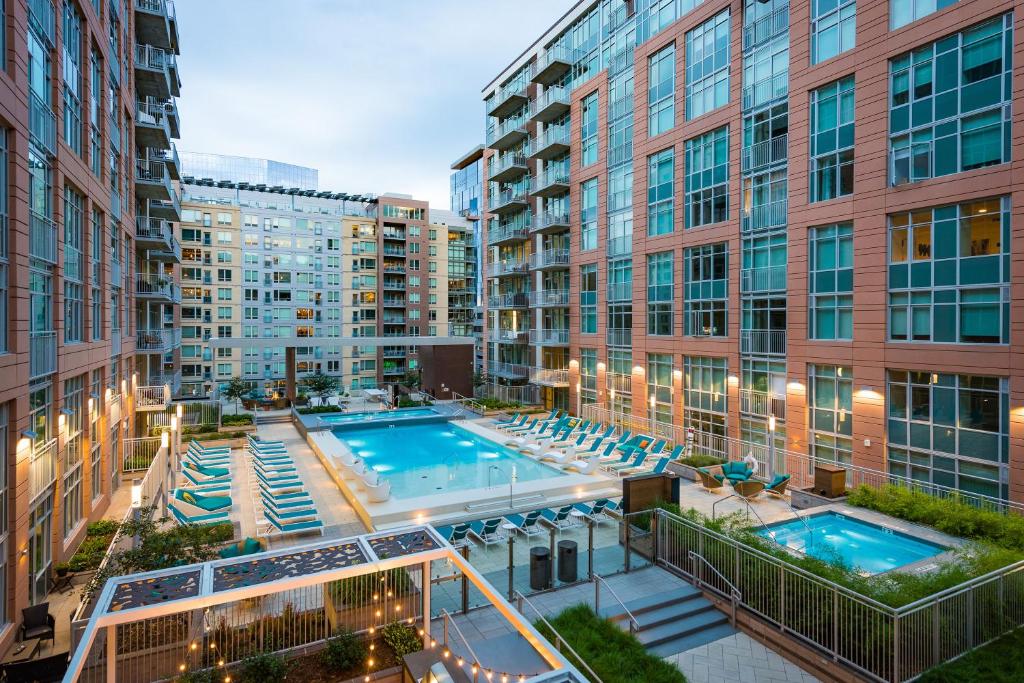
x: 805, y: 499
x: 230, y: 443
x: 689, y: 472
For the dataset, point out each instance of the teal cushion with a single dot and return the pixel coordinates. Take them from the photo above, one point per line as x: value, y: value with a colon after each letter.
x: 230, y: 551
x: 251, y: 546
x: 211, y: 503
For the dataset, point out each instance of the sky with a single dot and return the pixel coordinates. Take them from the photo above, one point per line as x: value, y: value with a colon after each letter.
x: 378, y: 95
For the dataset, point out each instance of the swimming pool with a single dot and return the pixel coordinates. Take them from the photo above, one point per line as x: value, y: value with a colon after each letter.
x: 870, y: 548
x: 438, y: 457
x: 376, y: 416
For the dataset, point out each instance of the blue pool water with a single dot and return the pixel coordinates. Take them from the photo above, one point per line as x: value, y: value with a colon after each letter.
x: 346, y: 418
x: 438, y: 457
x: 868, y: 547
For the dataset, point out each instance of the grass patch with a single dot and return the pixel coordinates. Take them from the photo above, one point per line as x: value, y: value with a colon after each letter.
x: 614, y: 655
x: 1001, y: 661
x: 233, y: 420
x: 314, y: 410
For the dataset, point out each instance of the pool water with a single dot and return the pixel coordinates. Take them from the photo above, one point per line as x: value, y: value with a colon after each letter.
x: 376, y: 416
x: 438, y: 457
x: 870, y: 548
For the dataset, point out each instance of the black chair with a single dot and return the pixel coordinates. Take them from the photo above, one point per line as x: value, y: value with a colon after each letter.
x: 43, y: 670
x: 37, y: 622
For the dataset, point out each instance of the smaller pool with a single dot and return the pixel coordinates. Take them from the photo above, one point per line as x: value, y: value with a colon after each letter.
x: 376, y: 416
x: 870, y: 548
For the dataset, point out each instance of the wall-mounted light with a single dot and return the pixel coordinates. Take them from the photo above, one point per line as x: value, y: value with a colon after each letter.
x: 165, y: 439
x: 174, y: 423
x: 574, y: 364
x: 638, y: 369
x: 733, y: 380
x: 601, y: 366
x: 578, y: 387
x: 136, y: 493
x: 677, y: 374
x: 771, y: 423
x: 135, y: 379
x: 179, y: 411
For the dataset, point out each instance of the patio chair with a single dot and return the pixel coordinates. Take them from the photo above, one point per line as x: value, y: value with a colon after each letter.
x: 199, y: 474
x: 379, y: 492
x: 588, y: 465
x: 49, y: 669
x: 247, y: 546
x: 37, y: 622
x: 749, y: 489
x: 457, y: 535
x: 488, y: 531
x: 711, y: 482
x: 636, y: 462
x: 737, y: 470
x: 658, y: 468
x: 188, y: 507
x: 299, y: 499
x: 498, y: 424
x: 560, y: 518
x: 281, y: 527
x: 274, y: 467
x: 595, y: 511
x: 196, y: 446
x: 526, y: 525
x: 778, y: 484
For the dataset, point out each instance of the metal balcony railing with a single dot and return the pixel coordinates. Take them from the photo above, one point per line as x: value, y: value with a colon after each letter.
x: 552, y: 135
x: 762, y: 404
x: 550, y: 219
x: 42, y: 353
x: 763, y: 342
x: 549, y: 297
x: 507, y: 370
x: 42, y: 125
x: 157, y: 340
x: 505, y: 163
x: 621, y: 60
x: 554, y: 98
x: 620, y: 153
x: 503, y: 233
x: 620, y: 291
x: 511, y: 300
x: 766, y: 90
x: 555, y: 61
x: 507, y: 267
x: 554, y: 337
x: 550, y: 376
x: 42, y: 467
x: 508, y: 336
x: 42, y: 238
x: 766, y: 152
x: 154, y: 285
x: 763, y: 279
x: 765, y: 28
x: 152, y: 171
x: 549, y: 258
x: 619, y: 337
x: 507, y: 197
x: 153, y: 397
x: 620, y: 383
x: 764, y: 216
x: 512, y: 91
x: 150, y: 57
x: 548, y: 179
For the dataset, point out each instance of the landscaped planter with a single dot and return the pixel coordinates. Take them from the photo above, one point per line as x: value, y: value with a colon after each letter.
x: 690, y: 472
x: 804, y: 499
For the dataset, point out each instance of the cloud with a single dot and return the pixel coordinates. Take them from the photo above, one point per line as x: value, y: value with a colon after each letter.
x: 379, y: 95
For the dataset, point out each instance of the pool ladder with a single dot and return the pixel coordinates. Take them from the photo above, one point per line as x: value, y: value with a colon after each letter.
x: 771, y: 535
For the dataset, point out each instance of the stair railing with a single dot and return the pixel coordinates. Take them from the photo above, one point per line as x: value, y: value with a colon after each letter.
x: 560, y: 642
x: 634, y: 625
x: 697, y: 560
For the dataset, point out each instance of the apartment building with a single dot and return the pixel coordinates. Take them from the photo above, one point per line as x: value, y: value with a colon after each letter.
x: 467, y: 200
x: 270, y: 261
x: 662, y: 246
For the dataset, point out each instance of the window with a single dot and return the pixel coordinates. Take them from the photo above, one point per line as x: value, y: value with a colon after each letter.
x: 72, y: 54
x: 833, y: 28
x: 588, y: 215
x: 4, y: 497
x: 4, y: 262
x: 950, y: 104
x: 659, y: 386
x: 588, y: 131
x: 948, y: 277
x: 765, y: 200
x: 661, y: 90
x: 74, y: 293
x: 660, y: 290
x: 766, y: 72
x: 706, y: 291
x: 660, y: 202
x: 707, y: 178
x: 903, y: 12
x: 74, y: 425
x: 950, y: 430
x: 588, y: 299
x: 832, y: 140
x: 764, y: 263
x: 588, y: 375
x: 765, y: 136
x: 830, y: 282
x: 707, y: 66
x: 705, y: 398
x: 831, y: 414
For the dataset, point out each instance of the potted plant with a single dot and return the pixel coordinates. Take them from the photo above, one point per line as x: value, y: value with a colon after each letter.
x: 61, y: 569
x: 302, y: 398
x: 687, y: 466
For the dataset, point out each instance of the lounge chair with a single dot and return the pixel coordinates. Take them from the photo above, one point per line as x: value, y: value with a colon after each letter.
x: 282, y: 527
x: 266, y: 447
x: 498, y: 424
x: 523, y: 427
x: 299, y: 499
x: 614, y: 507
x: 636, y: 462
x: 557, y: 457
x: 457, y: 535
x: 196, y: 446
x: 188, y: 507
x: 560, y: 519
x: 588, y: 465
x: 199, y: 474
x: 637, y: 441
x: 594, y: 434
x: 527, y: 437
x: 526, y: 525
x: 657, y: 468
x: 274, y: 467
x: 594, y: 448
x: 737, y: 470
x: 488, y: 531
x: 281, y: 479
x: 778, y: 484
x: 247, y: 546
x: 596, y: 511
x: 712, y: 482
x: 651, y: 449
x: 278, y: 488
x: 749, y: 489
x: 205, y: 462
x: 379, y: 492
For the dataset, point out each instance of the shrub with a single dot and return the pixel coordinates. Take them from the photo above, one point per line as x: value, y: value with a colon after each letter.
x: 263, y: 668
x: 240, y: 419
x: 313, y: 410
x: 497, y: 404
x: 402, y: 639
x: 701, y: 460
x: 201, y: 676
x: 614, y: 655
x: 102, y: 527
x: 1001, y: 661
x: 345, y: 651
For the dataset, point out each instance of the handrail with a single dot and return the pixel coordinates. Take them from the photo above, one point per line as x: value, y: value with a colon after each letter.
x: 467, y: 402
x: 448, y: 620
x: 599, y: 581
x: 734, y: 592
x: 559, y: 640
x: 771, y: 536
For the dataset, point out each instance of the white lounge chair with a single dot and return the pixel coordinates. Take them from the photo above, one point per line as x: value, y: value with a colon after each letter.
x: 378, y: 493
x: 588, y: 466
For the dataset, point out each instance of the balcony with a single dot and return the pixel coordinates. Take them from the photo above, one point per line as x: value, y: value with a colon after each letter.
x: 393, y: 352
x: 512, y: 371
x: 391, y: 319
x: 507, y: 100
x: 762, y: 404
x: 394, y: 285
x: 42, y: 348
x: 619, y: 382
x: 42, y: 20
x: 169, y: 156
x: 507, y: 267
x: 42, y: 127
x: 116, y: 275
x: 42, y: 238
x: 153, y: 180
x: 156, y: 72
x: 157, y: 341
x: 765, y: 28
x: 153, y: 397
x: 155, y: 23
x: 556, y: 61
x: 619, y: 337
x: 501, y: 336
x: 552, y: 143
x: 508, y: 233
x: 763, y: 279
x: 620, y: 154
x: 508, y: 167
x: 556, y: 337
x: 552, y: 183
x: 153, y: 125
x: 509, y: 201
x: 390, y: 250
x: 506, y: 134
x: 549, y: 222
x: 766, y: 90
x: 394, y: 369
x: 765, y: 153
x: 42, y: 467
x: 547, y: 298
x: 394, y: 302
x: 157, y: 236
x: 512, y: 300
x: 157, y: 288
x: 549, y: 259
x: 394, y: 269
x: 766, y: 216
x: 621, y: 60
x: 763, y: 342
x: 551, y: 105
x: 620, y: 291
x: 397, y: 235
x: 550, y: 377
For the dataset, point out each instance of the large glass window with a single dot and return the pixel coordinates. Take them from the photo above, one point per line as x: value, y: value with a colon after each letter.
x: 588, y: 215
x: 72, y: 34
x: 660, y: 202
x: 832, y: 140
x: 833, y: 28
x: 764, y: 263
x: 707, y: 178
x: 74, y: 291
x: 951, y: 430
x: 950, y: 104
x: 902, y: 12
x: 661, y: 90
x: 831, y: 418
x: 588, y: 299
x: 766, y: 72
x: 830, y: 282
x: 660, y: 289
x: 707, y: 66
x: 588, y: 130
x: 765, y: 200
x: 705, y: 402
x: 659, y: 386
x: 588, y: 375
x: 949, y: 273
x: 706, y: 291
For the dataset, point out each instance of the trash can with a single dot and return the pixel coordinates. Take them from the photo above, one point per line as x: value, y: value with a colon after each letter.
x: 567, y: 561
x: 540, y: 568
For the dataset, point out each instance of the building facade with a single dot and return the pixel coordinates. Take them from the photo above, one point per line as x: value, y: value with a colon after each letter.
x: 847, y: 291
x: 467, y: 200
x: 261, y: 261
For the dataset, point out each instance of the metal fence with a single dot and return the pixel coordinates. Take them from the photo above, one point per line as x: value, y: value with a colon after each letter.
x: 193, y: 414
x: 137, y: 454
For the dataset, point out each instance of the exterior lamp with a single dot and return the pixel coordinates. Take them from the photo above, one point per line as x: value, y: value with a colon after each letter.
x: 137, y: 493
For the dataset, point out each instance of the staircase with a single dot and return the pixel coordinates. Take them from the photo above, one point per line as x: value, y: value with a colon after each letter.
x: 273, y: 418
x: 673, y: 622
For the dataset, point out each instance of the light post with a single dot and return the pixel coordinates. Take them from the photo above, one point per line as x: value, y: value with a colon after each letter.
x: 579, y: 400
x: 771, y: 444
x: 653, y: 403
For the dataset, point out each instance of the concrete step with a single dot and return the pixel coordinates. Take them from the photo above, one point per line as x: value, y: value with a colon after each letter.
x: 272, y: 419
x: 702, y: 637
x: 613, y: 610
x: 678, y: 629
x: 672, y: 613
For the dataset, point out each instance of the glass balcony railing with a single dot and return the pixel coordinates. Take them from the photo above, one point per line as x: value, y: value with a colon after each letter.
x: 549, y: 258
x: 42, y: 238
x: 42, y: 126
x: 764, y: 216
x: 549, y: 297
x: 550, y: 337
x: 766, y: 90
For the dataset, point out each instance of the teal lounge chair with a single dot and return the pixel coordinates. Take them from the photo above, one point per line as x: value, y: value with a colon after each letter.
x: 280, y: 526
x: 199, y: 474
x: 498, y: 424
x: 300, y: 500
x: 523, y: 427
x: 636, y: 462
x: 658, y: 468
x: 560, y: 519
x: 526, y: 525
x: 188, y: 507
x: 278, y: 488
x: 594, y: 511
x: 273, y: 469
x: 488, y: 531
x: 652, y: 448
x: 196, y: 446
x: 457, y: 535
x: 278, y: 479
x: 736, y: 470
x: 777, y: 486
x: 247, y: 546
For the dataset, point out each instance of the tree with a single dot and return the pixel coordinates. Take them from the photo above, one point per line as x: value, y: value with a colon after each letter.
x: 235, y: 389
x: 322, y: 385
x: 480, y: 379
x: 412, y: 379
